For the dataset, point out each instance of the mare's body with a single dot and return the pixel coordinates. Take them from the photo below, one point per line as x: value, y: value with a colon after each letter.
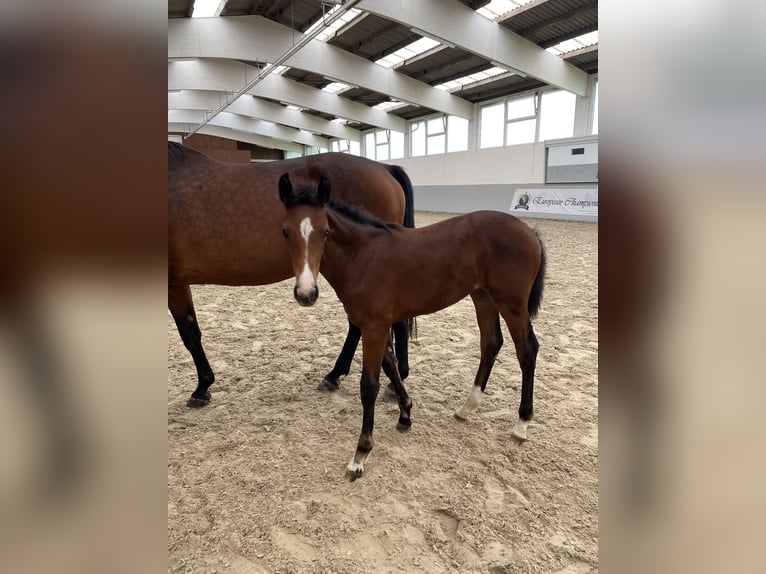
x: 493, y: 257
x: 224, y: 228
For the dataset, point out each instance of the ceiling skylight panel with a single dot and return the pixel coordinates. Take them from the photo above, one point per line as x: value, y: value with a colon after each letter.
x: 329, y: 31
x: 588, y: 39
x: 471, y: 79
x: 206, y: 8
x: 336, y: 88
x: 407, y: 52
x: 497, y: 8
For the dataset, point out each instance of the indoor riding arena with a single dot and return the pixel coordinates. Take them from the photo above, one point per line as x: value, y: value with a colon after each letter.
x: 489, y: 105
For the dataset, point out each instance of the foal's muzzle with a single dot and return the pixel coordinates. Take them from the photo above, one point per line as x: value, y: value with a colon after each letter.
x: 306, y: 300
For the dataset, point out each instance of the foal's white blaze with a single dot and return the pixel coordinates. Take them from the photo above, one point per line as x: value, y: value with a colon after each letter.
x: 306, y: 229
x: 306, y: 278
x: 471, y: 403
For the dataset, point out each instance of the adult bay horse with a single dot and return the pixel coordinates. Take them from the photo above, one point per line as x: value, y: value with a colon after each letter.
x: 224, y: 224
x: 493, y: 257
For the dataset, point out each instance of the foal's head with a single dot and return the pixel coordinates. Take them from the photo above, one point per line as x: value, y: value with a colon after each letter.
x: 306, y: 229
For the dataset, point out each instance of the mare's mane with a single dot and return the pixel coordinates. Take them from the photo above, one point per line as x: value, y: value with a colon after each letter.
x: 177, y: 153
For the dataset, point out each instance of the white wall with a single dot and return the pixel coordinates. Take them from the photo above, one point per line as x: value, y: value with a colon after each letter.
x: 467, y: 181
x: 519, y: 164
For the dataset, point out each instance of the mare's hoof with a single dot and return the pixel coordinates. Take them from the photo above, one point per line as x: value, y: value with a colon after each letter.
x: 328, y: 385
x: 403, y: 427
x: 196, y: 402
x: 389, y: 395
x: 459, y: 418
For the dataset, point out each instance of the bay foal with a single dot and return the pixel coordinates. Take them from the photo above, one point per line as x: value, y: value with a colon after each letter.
x: 383, y: 273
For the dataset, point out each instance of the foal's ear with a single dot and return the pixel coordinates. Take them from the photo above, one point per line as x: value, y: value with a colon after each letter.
x: 323, y: 191
x: 285, y: 189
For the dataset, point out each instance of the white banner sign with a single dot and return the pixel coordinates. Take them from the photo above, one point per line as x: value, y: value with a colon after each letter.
x: 551, y: 200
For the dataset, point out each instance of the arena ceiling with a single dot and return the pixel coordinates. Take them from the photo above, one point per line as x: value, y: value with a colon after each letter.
x: 348, y: 66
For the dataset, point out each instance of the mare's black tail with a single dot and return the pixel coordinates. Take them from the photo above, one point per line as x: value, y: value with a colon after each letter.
x: 409, y: 199
x: 536, y: 295
x: 409, y: 221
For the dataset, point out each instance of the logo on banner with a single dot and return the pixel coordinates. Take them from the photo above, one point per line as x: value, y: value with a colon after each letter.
x: 573, y: 201
x: 523, y: 202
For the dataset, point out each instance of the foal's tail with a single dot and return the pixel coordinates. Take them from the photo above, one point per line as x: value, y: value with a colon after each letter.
x: 401, y: 176
x: 536, y: 295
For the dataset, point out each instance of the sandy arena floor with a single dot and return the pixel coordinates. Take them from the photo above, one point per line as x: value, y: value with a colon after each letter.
x: 255, y: 479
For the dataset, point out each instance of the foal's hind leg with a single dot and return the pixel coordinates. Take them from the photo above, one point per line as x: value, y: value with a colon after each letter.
x: 402, y: 398
x: 491, y: 342
x: 182, y: 308
x: 526, y: 351
x: 401, y: 367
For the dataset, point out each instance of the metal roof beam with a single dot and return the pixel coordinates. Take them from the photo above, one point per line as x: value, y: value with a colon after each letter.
x: 457, y: 24
x: 253, y: 107
x: 246, y: 124
x: 243, y: 136
x: 254, y: 38
x: 229, y: 76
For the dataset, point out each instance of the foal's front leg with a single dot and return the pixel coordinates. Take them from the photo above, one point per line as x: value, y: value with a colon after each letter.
x: 373, y: 347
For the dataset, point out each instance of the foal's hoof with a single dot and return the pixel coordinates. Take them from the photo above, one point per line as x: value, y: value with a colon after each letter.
x: 328, y: 385
x: 403, y: 426
x: 389, y: 395
x: 519, y: 432
x: 353, y: 471
x: 197, y: 402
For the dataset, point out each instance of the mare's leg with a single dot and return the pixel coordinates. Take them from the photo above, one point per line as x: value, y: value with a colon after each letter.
x: 526, y: 351
x: 343, y: 362
x: 491, y: 342
x: 342, y: 366
x: 402, y: 398
x: 182, y: 308
x: 373, y: 346
x: 401, y: 337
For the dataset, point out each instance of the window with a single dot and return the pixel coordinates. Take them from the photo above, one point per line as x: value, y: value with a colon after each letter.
x: 457, y: 134
x: 346, y: 146
x: 491, y: 125
x: 521, y: 120
x: 313, y: 150
x: 438, y: 134
x: 557, y: 115
x: 369, y: 145
x: 382, y: 145
x: 382, y: 150
x: 418, y: 138
x: 594, y: 125
x: 529, y: 118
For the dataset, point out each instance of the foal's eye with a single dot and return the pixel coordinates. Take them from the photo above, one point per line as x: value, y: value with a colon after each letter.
x: 284, y: 233
x: 325, y: 235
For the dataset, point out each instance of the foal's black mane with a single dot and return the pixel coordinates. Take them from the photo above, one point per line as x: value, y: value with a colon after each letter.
x: 307, y: 196
x: 358, y: 215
